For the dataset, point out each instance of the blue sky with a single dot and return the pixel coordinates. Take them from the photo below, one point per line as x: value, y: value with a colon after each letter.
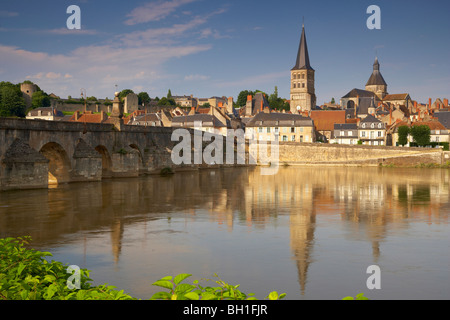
x: 218, y: 48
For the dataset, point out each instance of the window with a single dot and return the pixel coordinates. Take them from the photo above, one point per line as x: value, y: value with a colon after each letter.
x: 292, y: 130
x: 292, y: 138
x: 303, y: 85
x: 363, y: 134
x: 379, y: 125
x: 301, y: 138
x: 260, y: 129
x: 276, y: 130
x: 437, y: 139
x: 363, y: 125
x: 284, y: 138
x: 342, y: 132
x: 379, y: 133
x: 268, y: 129
x: 372, y: 125
x: 350, y: 133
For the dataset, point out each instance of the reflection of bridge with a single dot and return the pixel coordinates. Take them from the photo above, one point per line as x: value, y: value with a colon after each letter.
x: 36, y: 153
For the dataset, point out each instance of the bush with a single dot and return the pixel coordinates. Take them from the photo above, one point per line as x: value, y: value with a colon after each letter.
x: 185, y: 291
x: 26, y: 275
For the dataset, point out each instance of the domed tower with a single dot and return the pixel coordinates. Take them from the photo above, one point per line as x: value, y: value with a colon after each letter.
x: 27, y: 91
x: 376, y: 83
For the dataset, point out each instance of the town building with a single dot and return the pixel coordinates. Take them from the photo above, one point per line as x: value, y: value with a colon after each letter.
x: 438, y: 132
x: 204, y: 122
x: 283, y: 127
x: 302, y: 93
x: 45, y: 114
x: 372, y: 131
x: 345, y: 133
x: 324, y: 121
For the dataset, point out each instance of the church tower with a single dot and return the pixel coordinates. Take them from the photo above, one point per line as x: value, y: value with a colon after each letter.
x: 303, y: 97
x: 376, y: 83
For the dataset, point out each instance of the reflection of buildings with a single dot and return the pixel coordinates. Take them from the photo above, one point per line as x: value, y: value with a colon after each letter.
x: 373, y: 202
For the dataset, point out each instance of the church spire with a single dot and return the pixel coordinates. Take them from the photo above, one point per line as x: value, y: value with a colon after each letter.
x: 302, y: 55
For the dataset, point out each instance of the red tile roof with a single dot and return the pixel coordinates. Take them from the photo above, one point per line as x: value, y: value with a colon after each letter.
x: 324, y: 120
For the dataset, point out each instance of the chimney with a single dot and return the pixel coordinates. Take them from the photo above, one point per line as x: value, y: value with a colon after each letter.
x: 220, y: 105
x: 77, y: 115
x: 446, y: 103
x: 415, y: 106
x: 429, y: 103
x: 390, y: 116
x: 357, y: 100
x: 249, y: 98
x: 261, y: 105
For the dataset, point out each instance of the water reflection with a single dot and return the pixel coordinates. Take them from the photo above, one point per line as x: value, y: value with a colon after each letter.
x: 371, y: 201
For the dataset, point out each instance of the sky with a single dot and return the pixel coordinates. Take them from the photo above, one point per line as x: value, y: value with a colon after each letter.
x: 220, y: 47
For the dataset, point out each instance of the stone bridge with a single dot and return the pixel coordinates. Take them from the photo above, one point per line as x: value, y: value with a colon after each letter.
x: 38, y: 153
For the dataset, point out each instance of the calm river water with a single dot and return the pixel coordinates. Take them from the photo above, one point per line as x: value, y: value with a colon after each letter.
x: 309, y: 232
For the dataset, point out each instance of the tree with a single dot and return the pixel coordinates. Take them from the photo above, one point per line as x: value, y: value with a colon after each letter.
x: 124, y: 93
x: 403, y: 132
x: 242, y: 97
x: 333, y: 101
x: 278, y: 103
x: 421, y: 135
x: 169, y: 94
x: 166, y: 102
x: 12, y: 102
x: 144, y: 98
x: 40, y: 99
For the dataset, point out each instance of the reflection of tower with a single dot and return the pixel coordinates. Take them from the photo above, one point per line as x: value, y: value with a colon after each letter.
x: 302, y: 236
x: 302, y: 227
x: 116, y: 239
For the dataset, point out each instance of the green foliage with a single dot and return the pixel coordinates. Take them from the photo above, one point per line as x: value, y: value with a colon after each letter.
x: 26, y: 275
x: 40, y: 99
x: 242, y: 97
x: 166, y: 102
x: 278, y: 103
x: 144, y: 98
x: 403, y: 132
x: 421, y: 134
x: 12, y: 102
x: 220, y: 290
x: 169, y: 94
x: 124, y: 93
x: 358, y: 297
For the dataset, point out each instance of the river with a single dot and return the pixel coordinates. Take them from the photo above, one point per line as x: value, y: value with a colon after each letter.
x: 310, y: 232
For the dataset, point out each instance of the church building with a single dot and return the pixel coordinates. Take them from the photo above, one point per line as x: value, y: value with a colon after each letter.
x: 302, y: 95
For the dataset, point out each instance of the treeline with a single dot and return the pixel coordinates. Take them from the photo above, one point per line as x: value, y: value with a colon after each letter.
x: 275, y: 102
x: 12, y: 101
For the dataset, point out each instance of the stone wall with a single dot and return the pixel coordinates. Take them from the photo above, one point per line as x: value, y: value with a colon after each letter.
x: 333, y: 154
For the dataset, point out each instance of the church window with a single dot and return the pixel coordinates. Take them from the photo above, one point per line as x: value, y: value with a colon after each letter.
x: 303, y: 85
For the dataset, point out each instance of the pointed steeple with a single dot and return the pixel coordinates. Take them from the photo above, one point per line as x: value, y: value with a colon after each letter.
x: 302, y: 55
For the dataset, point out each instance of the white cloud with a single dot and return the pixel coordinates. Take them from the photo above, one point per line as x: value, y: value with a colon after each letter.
x: 195, y: 77
x: 154, y: 11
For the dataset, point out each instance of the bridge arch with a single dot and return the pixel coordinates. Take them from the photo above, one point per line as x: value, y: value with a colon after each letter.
x: 106, y: 161
x: 59, y: 166
x: 141, y: 158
